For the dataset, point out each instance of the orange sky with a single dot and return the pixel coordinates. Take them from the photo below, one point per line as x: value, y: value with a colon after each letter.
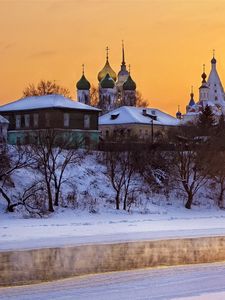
x: 166, y: 41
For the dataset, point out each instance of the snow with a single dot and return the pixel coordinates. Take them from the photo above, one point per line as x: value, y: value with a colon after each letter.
x: 94, y: 218
x: 201, y: 282
x: 47, y: 101
x: 132, y: 115
x: 3, y: 120
x: 80, y: 227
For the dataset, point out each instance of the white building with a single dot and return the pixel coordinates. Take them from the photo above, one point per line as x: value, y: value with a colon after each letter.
x: 211, y: 93
x: 142, y: 123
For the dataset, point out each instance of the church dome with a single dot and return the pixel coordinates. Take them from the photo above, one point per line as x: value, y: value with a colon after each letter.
x: 106, y: 70
x: 83, y: 84
x: 129, y: 84
x: 107, y: 82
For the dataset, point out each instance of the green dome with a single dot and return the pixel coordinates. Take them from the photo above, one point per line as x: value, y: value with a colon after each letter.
x: 107, y: 82
x: 129, y: 84
x: 83, y: 84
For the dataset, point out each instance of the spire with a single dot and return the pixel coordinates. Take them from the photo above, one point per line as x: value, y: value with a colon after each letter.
x: 179, y: 114
x: 83, y: 69
x: 192, y: 101
x: 204, y: 75
x: 213, y: 60
x: 123, y: 54
x: 107, y: 53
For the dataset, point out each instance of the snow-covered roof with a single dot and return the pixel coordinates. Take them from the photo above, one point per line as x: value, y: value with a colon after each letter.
x: 3, y: 120
x: 47, y: 101
x: 137, y: 115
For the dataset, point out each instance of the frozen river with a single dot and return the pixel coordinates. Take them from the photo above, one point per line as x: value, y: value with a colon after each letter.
x: 195, y: 282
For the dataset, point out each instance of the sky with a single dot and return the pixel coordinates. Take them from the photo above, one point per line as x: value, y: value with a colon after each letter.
x: 166, y: 43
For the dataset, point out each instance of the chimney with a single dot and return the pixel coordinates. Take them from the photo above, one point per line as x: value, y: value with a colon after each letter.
x: 144, y: 112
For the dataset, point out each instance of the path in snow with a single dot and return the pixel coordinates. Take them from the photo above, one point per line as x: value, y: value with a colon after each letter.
x: 197, y: 281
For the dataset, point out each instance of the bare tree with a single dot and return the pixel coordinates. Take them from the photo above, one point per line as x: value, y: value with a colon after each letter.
x: 140, y: 101
x: 189, y: 171
x: 53, y: 154
x: 45, y: 87
x: 121, y: 167
x: 12, y: 159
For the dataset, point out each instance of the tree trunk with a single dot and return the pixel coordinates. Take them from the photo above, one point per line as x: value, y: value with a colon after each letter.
x: 56, y: 202
x: 117, y: 201
x: 189, y: 201
x: 220, y: 199
x: 50, y: 202
x: 5, y: 196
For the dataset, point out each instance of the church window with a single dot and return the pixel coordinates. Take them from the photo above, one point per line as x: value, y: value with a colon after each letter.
x: 146, y: 131
x: 128, y: 132
x: 107, y: 133
x: 27, y: 120
x: 66, y: 119
x: 216, y: 98
x: 214, y: 84
x: 215, y: 91
x: 35, y: 118
x: 86, y: 121
x: 18, y: 121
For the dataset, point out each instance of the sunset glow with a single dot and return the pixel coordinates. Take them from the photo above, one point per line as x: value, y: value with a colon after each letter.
x: 166, y: 43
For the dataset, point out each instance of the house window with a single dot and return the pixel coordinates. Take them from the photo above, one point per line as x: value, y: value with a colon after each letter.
x: 47, y: 120
x: 66, y: 119
x: 86, y: 121
x: 27, y: 120
x: 18, y: 121
x: 35, y: 116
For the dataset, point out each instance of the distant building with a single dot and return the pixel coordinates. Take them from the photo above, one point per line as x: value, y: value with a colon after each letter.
x: 211, y: 93
x: 29, y: 115
x: 114, y: 90
x: 142, y: 123
x: 4, y: 123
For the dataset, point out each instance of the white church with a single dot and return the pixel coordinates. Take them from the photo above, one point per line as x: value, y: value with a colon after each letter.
x: 211, y: 93
x: 114, y: 90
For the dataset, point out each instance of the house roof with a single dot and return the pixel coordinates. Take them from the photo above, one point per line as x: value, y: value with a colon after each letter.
x: 137, y: 115
x: 3, y: 120
x: 47, y: 101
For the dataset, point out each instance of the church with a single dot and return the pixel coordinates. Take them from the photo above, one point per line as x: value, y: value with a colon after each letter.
x: 211, y: 93
x: 113, y: 90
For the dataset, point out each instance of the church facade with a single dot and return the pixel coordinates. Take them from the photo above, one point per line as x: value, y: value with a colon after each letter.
x: 113, y: 90
x: 211, y: 93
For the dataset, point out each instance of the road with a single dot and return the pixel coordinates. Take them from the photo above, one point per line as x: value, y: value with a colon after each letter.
x: 203, y: 282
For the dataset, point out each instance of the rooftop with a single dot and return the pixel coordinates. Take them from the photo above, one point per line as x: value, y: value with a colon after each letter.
x: 135, y: 115
x: 47, y: 101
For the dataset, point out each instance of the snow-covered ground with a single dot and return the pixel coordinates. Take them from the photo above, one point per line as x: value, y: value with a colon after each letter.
x: 93, y: 217
x: 78, y: 227
x: 199, y: 282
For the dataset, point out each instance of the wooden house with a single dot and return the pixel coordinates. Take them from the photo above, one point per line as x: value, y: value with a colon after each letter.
x: 30, y: 115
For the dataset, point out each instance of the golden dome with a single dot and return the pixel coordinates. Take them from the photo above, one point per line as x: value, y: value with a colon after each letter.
x: 106, y: 70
